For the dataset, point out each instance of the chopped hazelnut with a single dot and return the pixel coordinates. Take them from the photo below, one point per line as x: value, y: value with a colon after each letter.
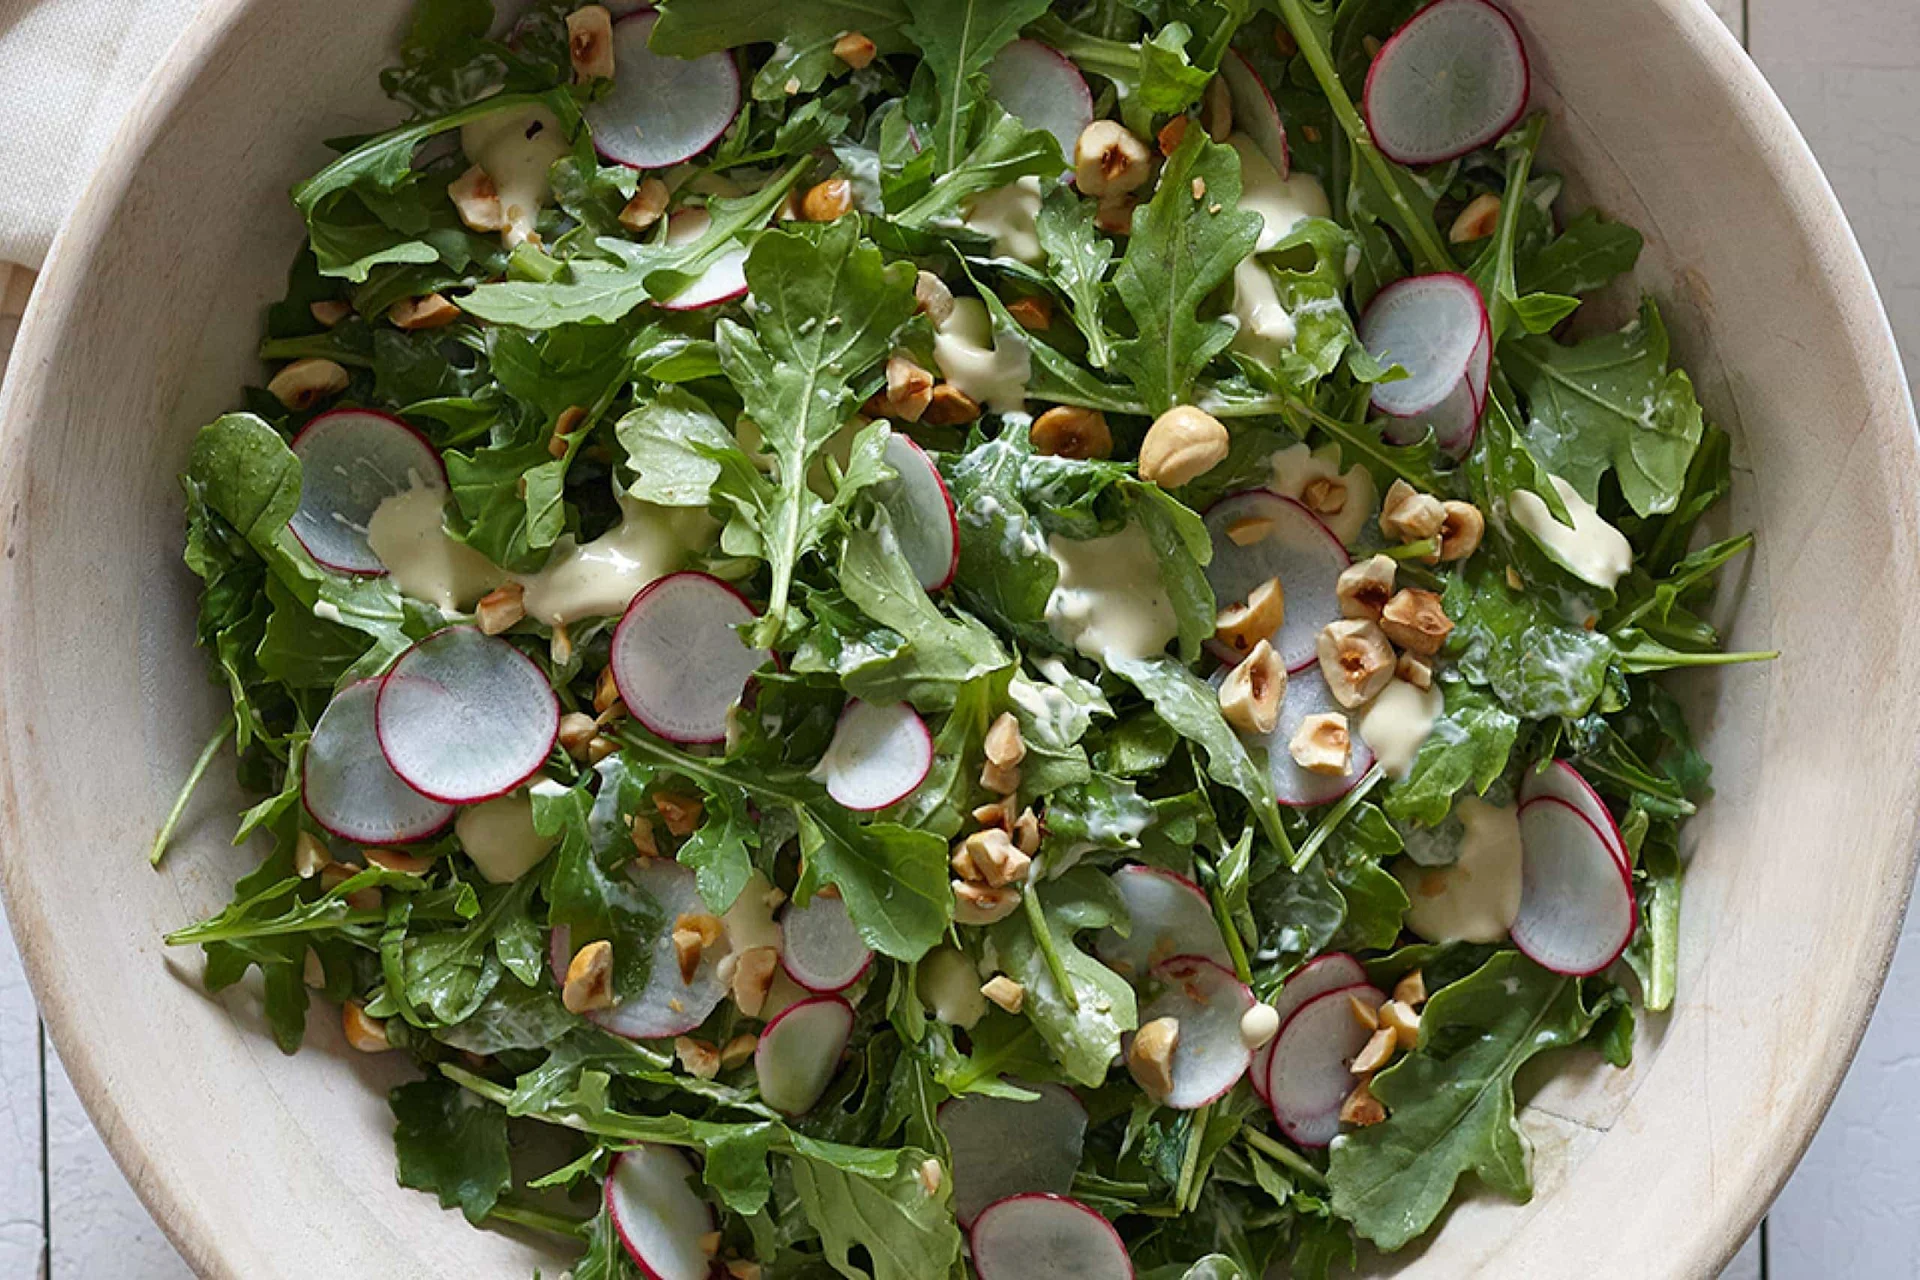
x: 589, y: 982
x: 681, y: 813
x: 1005, y: 992
x: 430, y: 312
x: 1411, y: 990
x: 982, y: 904
x: 909, y: 389
x: 1115, y: 214
x: 710, y: 1243
x: 1514, y: 580
x: 500, y: 608
x: 1003, y: 744
x: 1250, y: 695
x: 1326, y: 495
x: 1171, y: 133
x: 577, y: 732
x: 854, y: 49
x: 933, y: 298
x: 1150, y: 1056
x: 313, y: 971
x: 1068, y: 431
x: 1364, y: 1012
x: 648, y: 206
x: 930, y: 1175
x: 305, y: 383
x: 1283, y: 42
x: 1248, y: 530
x: 1183, y: 444
x: 1323, y: 744
x: 1378, y: 1052
x: 1414, y: 670
x: 1216, y: 110
x: 1026, y: 833
x: 1365, y: 587
x: 1241, y: 626
x: 368, y: 1035
x: 1460, y: 530
x: 1361, y: 1108
x: 693, y: 934
x: 1407, y: 515
x: 606, y: 692
x: 995, y: 857
x: 1001, y: 779
x: 1414, y: 620
x: 960, y: 860
x: 1402, y: 1021
x: 1477, y: 221
x: 743, y: 1269
x: 329, y: 311
x: 736, y: 1052
x: 697, y: 1058
x: 950, y: 407
x: 590, y: 43
x: 1356, y: 660
x: 826, y: 201
x: 477, y: 201
x: 753, y: 977
x: 310, y: 856
x: 406, y: 864
x: 1108, y: 159
x: 643, y: 842
x: 994, y: 814
x: 1032, y: 313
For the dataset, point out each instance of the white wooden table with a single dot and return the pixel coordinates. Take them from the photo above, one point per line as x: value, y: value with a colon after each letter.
x: 1850, y: 72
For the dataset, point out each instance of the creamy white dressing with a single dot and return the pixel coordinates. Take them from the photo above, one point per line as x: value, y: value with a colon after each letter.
x: 749, y: 921
x: 1477, y: 898
x: 991, y: 368
x: 1008, y: 216
x: 1397, y: 721
x: 408, y: 534
x: 950, y: 988
x: 1263, y: 327
x: 1592, y: 550
x: 516, y: 148
x: 499, y: 836
x: 1295, y: 467
x: 1109, y: 601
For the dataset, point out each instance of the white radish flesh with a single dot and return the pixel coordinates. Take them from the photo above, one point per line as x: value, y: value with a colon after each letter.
x: 659, y: 1216
x: 1562, y: 782
x: 1254, y: 113
x: 678, y: 658
x: 1297, y: 788
x: 799, y: 1053
x: 1046, y: 1237
x: 1296, y: 548
x: 1334, y: 971
x: 1310, y: 1074
x: 352, y: 460
x: 465, y: 717
x: 921, y: 512
x: 1171, y: 917
x: 1576, y: 898
x: 822, y: 950
x: 667, y: 1005
x: 1434, y: 327
x: 878, y: 755
x: 723, y: 280
x: 661, y: 110
x: 1042, y: 89
x: 347, y: 784
x: 1208, y: 1001
x: 1451, y: 80
x: 1001, y: 1147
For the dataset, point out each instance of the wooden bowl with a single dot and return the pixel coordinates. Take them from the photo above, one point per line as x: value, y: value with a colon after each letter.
x: 259, y: 1165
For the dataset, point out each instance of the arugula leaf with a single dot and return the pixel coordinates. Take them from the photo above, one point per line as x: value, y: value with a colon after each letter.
x: 1514, y: 643
x: 721, y: 850
x: 451, y: 1143
x: 1083, y: 1027
x: 804, y: 35
x: 585, y: 893
x: 1078, y: 257
x: 1469, y: 746
x: 957, y: 39
x: 670, y: 439
x: 905, y: 1232
x: 1589, y: 255
x: 996, y: 149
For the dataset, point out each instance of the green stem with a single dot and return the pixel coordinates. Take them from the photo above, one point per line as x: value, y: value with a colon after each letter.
x: 1683, y: 583
x: 1413, y: 550
x: 1236, y: 948
x: 192, y: 784
x: 520, y: 1215
x: 1043, y: 937
x: 342, y: 921
x: 1335, y: 816
x: 1674, y: 659
x: 1190, y: 1163
x: 320, y: 346
x: 1283, y: 1155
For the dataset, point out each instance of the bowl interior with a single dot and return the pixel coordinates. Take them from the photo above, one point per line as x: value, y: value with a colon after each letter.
x: 258, y: 1164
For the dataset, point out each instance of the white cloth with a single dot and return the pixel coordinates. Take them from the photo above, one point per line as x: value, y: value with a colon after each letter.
x: 69, y: 70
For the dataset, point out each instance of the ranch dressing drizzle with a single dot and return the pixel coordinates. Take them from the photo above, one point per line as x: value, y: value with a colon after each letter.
x: 1295, y: 467
x: 991, y: 368
x: 1397, y: 722
x: 950, y: 988
x: 1264, y: 326
x: 1475, y: 899
x: 408, y: 535
x: 1007, y: 216
x: 499, y: 836
x: 1592, y: 550
x: 516, y: 148
x: 1109, y: 602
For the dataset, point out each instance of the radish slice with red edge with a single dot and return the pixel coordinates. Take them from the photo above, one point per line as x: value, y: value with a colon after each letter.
x: 1562, y: 782
x: 1576, y: 898
x: 1209, y: 1057
x: 1038, y: 1236
x: 1309, y: 1074
x: 822, y: 950
x: 661, y: 110
x: 1042, y: 89
x: 1297, y: 788
x: 1334, y: 971
x: 1451, y: 80
x: 678, y: 659
x: 1296, y: 548
x: 347, y: 784
x: 921, y: 512
x: 1002, y: 1147
x: 1434, y: 327
x: 351, y: 461
x: 723, y: 280
x: 465, y: 716
x: 658, y: 1215
x: 799, y: 1053
x: 878, y: 755
x: 1254, y: 113
x: 666, y: 1005
x: 1171, y: 917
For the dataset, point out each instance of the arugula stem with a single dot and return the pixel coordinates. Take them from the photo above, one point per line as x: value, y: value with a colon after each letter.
x: 1335, y: 816
x: 187, y: 789
x: 1043, y: 937
x: 1236, y: 947
x: 1685, y: 582
x: 1413, y: 550
x: 322, y: 345
x: 342, y: 921
x: 520, y: 1215
x: 1190, y: 1162
x: 1674, y: 659
x: 1284, y: 1155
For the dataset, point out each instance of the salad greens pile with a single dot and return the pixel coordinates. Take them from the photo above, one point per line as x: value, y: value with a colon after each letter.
x: 563, y: 390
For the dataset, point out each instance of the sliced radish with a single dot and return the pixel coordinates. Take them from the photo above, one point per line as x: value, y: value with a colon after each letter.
x: 465, y: 716
x: 1576, y: 897
x: 666, y: 1006
x: 661, y: 110
x: 1291, y: 545
x: 1297, y: 788
x: 1562, y: 782
x: 351, y: 461
x: 1334, y: 971
x: 1208, y: 1001
x: 799, y: 1052
x: 823, y: 951
x: 1002, y: 1147
x: 658, y: 1214
x: 1449, y: 81
x: 1309, y: 1075
x: 878, y: 755
x: 1046, y: 1237
x: 922, y: 513
x: 1171, y: 917
x: 1042, y: 89
x: 1435, y: 327
x: 723, y: 280
x: 1254, y: 113
x: 678, y: 659
x: 347, y: 784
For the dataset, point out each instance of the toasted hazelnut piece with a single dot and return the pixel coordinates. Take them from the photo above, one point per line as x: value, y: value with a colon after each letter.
x: 826, y: 201
x: 335, y: 874
x: 1514, y: 580
x: 1283, y: 42
x: 643, y: 842
x: 430, y: 312
x: 1183, y: 444
x: 1378, y: 1052
x: 305, y: 383
x: 1068, y: 431
x: 1407, y: 515
x: 1108, y: 159
x: 1460, y: 530
x: 561, y: 646
x: 1216, y: 110
x: 310, y: 856
x: 606, y: 691
x: 934, y: 299
x: 406, y: 864
x: 710, y: 1243
x: 571, y: 419
x: 1150, y: 1056
x: 590, y: 43
x: 577, y: 731
x: 995, y: 857
x: 1005, y: 992
x: 477, y: 201
x: 1356, y: 660
x: 1411, y: 990
x: 1033, y: 313
x: 909, y: 389
x: 708, y: 926
x: 1171, y: 133
x: 1248, y: 530
x: 1323, y: 744
x: 1414, y: 670
x: 1480, y: 219
x: 1361, y: 1108
x: 931, y: 1176
x: 1003, y: 744
x: 983, y: 904
x: 737, y: 1051
x: 368, y: 1035
x: 1365, y: 1014
x: 743, y: 1269
x: 1241, y: 626
x: 693, y: 934
x: 950, y: 407
x: 312, y: 971
x: 1115, y: 214
x: 500, y: 608
x: 753, y: 977
x: 648, y: 206
x: 589, y: 981
x: 993, y: 814
x: 1402, y: 1021
x: 1258, y: 1025
x: 1001, y: 779
x: 1250, y: 695
x: 1026, y: 833
x: 697, y: 1057
x: 1414, y: 620
x: 1364, y: 588
x: 329, y: 311
x: 1326, y: 495
x: 960, y: 860
x: 855, y: 50
x: 681, y: 813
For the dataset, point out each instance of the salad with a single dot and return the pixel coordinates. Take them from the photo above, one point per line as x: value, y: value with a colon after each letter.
x: 902, y: 637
